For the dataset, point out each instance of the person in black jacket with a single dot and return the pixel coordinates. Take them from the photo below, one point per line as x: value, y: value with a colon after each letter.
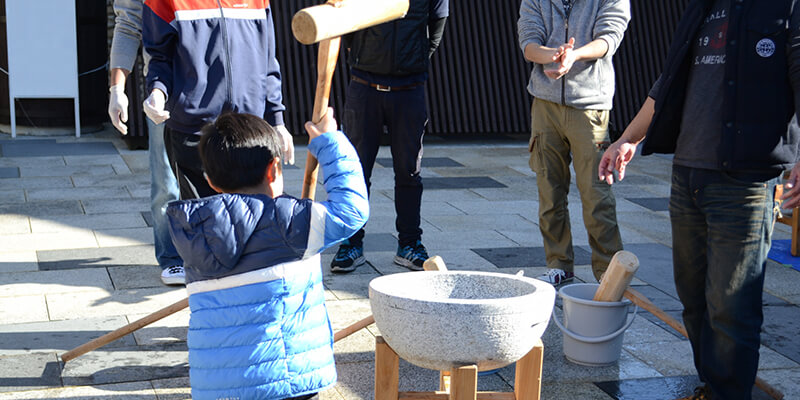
x: 388, y: 69
x: 725, y: 106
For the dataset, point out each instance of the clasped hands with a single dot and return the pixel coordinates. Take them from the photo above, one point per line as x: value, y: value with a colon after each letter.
x: 565, y: 57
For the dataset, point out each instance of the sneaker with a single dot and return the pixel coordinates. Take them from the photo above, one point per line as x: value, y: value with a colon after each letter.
x: 411, y: 256
x: 555, y: 276
x: 173, y: 275
x: 348, y: 258
x: 700, y: 393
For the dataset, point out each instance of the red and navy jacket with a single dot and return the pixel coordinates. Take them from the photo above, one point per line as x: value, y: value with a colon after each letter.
x: 212, y: 56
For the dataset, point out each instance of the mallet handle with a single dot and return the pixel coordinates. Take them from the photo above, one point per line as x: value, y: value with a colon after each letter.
x: 326, y: 64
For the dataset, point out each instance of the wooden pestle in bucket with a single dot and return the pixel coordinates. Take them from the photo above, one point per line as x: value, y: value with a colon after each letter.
x: 617, y: 277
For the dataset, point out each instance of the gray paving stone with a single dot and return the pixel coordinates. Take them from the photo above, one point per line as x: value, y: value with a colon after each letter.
x: 107, y: 206
x: 669, y: 358
x: 781, y: 280
x: 94, y: 221
x: 785, y: 380
x: 671, y: 387
x: 520, y: 257
x: 472, y: 223
x: 42, y: 171
x: 643, y: 330
x: 118, y: 391
x: 427, y: 162
x: 148, y: 218
x: 493, y: 207
x: 137, y: 162
x: 12, y: 196
x: 124, y: 237
x: 172, y: 388
x: 53, y: 161
x: 348, y: 286
x: 17, y: 261
x: 779, y: 331
x: 14, y: 224
x: 51, y: 282
x: 466, y: 182
x: 96, y: 257
x: 96, y: 304
x: 655, y: 226
x: 109, y: 159
x: 32, y: 183
x: 75, y: 238
x: 171, y: 329
x: 135, y: 277
x: 9, y: 172
x: 655, y: 265
x: 43, y: 208
x: 76, y: 193
x: 103, y: 366
x: 59, y: 336
x: 440, y: 241
x: 23, y: 309
x: 29, y: 372
x: 112, y: 180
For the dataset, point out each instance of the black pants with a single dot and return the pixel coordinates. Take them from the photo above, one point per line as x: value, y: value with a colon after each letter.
x: 405, y: 115
x: 185, y: 162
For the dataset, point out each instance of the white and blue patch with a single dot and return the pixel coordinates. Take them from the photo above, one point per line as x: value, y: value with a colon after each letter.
x: 765, y: 48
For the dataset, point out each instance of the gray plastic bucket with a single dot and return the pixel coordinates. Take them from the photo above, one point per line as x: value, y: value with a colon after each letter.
x: 593, y: 330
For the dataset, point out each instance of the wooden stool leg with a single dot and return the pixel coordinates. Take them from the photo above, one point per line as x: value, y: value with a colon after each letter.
x: 795, y: 250
x: 387, y: 371
x: 464, y: 383
x: 528, y: 377
x: 444, y: 381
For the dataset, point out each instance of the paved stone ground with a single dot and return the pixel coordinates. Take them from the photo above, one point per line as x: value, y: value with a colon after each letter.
x: 76, y: 261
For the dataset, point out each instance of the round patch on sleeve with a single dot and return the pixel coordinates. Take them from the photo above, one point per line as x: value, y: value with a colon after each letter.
x: 765, y: 47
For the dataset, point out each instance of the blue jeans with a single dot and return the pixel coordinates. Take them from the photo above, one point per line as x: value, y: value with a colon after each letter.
x: 405, y: 115
x: 721, y: 228
x: 163, y: 189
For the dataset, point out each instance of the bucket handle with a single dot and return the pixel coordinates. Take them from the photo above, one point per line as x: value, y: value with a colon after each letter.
x: 595, y: 339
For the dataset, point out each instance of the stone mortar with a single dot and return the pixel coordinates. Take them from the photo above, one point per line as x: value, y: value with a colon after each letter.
x: 441, y: 320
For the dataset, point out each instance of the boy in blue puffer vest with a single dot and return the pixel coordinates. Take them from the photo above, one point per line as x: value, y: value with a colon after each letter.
x: 259, y: 328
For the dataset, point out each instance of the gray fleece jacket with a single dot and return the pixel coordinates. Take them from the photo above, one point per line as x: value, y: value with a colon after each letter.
x: 588, y: 85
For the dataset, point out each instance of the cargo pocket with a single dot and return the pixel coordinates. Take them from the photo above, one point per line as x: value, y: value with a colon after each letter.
x: 535, y: 148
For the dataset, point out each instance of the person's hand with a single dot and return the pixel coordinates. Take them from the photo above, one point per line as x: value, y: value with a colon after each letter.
x: 617, y: 156
x: 791, y: 193
x: 288, y: 144
x: 118, y: 108
x: 154, y: 107
x: 327, y: 124
x: 565, y: 57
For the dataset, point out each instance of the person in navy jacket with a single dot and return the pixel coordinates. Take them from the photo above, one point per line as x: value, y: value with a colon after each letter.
x: 208, y: 57
x: 259, y: 328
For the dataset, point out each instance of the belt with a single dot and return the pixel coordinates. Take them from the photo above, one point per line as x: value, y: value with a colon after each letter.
x: 382, y: 88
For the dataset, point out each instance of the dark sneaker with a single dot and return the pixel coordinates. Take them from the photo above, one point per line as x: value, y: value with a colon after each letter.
x: 348, y: 258
x: 700, y: 393
x: 173, y: 275
x: 555, y: 276
x: 411, y: 256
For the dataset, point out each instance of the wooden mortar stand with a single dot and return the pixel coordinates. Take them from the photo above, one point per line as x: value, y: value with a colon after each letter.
x: 459, y: 383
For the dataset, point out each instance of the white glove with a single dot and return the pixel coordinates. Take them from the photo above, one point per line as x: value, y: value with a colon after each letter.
x: 118, y: 108
x: 288, y: 144
x: 154, y: 107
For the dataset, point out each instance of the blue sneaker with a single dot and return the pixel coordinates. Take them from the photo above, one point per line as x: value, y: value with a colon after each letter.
x: 348, y: 258
x: 411, y: 256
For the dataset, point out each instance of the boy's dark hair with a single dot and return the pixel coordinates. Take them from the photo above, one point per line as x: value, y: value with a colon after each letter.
x: 236, y: 150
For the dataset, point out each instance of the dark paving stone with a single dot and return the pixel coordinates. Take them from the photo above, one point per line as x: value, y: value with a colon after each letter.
x: 46, y: 208
x: 655, y: 265
x: 520, y: 257
x: 9, y: 172
x: 29, y: 372
x: 651, y: 203
x: 770, y: 300
x: 95, y: 257
x: 148, y: 218
x: 671, y: 387
x: 430, y: 162
x: 463, y: 182
x: 662, y: 300
x: 780, y: 330
x: 41, y: 148
x: 374, y: 242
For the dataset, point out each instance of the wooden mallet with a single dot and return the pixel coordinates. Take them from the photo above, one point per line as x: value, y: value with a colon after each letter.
x: 326, y: 24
